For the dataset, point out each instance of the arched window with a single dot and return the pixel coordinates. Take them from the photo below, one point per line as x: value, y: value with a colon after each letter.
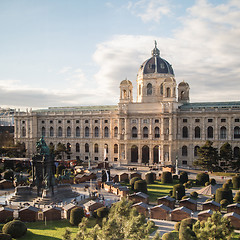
x: 145, y: 154
x: 77, y: 131
x: 69, y: 147
x: 68, y: 132
x: 106, y: 133
x: 115, y: 132
x: 168, y: 92
x: 145, y: 132
x: 43, y: 131
x: 86, y: 132
x: 184, y: 151
x: 196, y: 151
x: 197, y: 132
x: 236, y: 132
x: 223, y: 133
x: 24, y: 132
x: 185, y: 132
x: 115, y: 148
x: 157, y: 132
x: 96, y: 132
x: 77, y: 147
x: 86, y: 148
x: 96, y: 148
x: 149, y: 89
x: 134, y: 132
x: 161, y: 89
x: 51, y: 132
x: 236, y: 153
x: 210, y: 132
x: 156, y: 154
x: 60, y: 132
x: 134, y: 153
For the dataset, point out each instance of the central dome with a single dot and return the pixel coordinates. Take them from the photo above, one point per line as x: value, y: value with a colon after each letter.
x: 156, y: 64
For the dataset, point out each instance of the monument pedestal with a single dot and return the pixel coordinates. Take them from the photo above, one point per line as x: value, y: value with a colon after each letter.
x: 47, y: 193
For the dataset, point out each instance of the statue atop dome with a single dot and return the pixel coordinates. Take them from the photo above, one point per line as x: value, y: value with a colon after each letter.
x: 155, y: 51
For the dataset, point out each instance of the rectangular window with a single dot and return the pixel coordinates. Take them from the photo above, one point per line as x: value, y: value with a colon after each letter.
x: 115, y: 159
x: 43, y: 122
x: 184, y: 162
x: 96, y: 158
x: 134, y: 120
x: 86, y: 121
x: 59, y: 121
x: 23, y: 122
x: 86, y: 157
x: 156, y: 120
x: 184, y: 120
x: 237, y: 120
x: 105, y: 121
x: 68, y: 121
x: 223, y: 120
x: 51, y: 121
x: 77, y: 121
x: 210, y: 120
x: 145, y: 120
x: 197, y: 120
x: 96, y: 121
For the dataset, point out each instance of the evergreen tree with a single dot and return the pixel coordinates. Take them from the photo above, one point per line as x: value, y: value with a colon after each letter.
x: 226, y: 155
x: 207, y: 157
x: 66, y: 235
x: 216, y: 227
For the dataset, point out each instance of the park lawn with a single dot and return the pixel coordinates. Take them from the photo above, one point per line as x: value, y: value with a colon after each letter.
x: 53, y: 231
x: 158, y: 190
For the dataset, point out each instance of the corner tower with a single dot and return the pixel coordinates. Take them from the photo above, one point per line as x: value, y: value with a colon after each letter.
x: 155, y: 80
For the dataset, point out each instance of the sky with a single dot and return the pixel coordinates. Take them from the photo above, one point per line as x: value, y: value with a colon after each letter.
x: 73, y: 52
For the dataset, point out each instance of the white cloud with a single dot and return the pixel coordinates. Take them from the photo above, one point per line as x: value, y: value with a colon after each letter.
x: 65, y: 69
x: 204, y: 51
x: 150, y: 10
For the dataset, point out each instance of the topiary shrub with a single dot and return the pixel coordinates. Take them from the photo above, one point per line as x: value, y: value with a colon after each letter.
x: 236, y: 182
x: 15, y: 228
x: 213, y: 181
x: 5, y: 236
x: 237, y: 197
x: 102, y: 212
x: 170, y: 236
x: 166, y: 177
x: 140, y: 186
x: 178, y: 191
x: 149, y: 177
x: 183, y: 177
x: 223, y: 193
x: 202, y: 178
x: 170, y: 193
x: 194, y: 195
x: 185, y: 229
x: 76, y: 216
x: 229, y: 182
x: 224, y: 203
x: 188, y: 184
x: 185, y: 197
x: 226, y: 186
x: 175, y: 177
x: 132, y: 181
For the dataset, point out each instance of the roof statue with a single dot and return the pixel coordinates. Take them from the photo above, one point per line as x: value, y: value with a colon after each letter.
x: 155, y: 51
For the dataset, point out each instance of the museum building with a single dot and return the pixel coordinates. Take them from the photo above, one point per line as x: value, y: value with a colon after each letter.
x: 158, y: 128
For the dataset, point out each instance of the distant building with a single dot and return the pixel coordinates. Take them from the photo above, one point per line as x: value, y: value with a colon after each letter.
x: 157, y: 128
x: 6, y: 117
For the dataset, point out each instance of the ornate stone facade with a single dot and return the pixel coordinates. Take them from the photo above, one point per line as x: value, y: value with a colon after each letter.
x: 157, y: 128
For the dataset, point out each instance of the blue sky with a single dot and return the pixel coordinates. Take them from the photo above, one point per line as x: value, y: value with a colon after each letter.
x: 70, y: 53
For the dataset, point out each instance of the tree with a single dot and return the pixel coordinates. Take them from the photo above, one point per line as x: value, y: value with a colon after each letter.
x: 66, y: 235
x: 207, y: 157
x: 226, y: 155
x: 216, y: 227
x: 60, y: 150
x: 123, y: 222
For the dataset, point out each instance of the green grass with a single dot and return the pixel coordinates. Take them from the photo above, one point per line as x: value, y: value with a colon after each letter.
x: 53, y: 231
x: 223, y: 174
x: 158, y: 189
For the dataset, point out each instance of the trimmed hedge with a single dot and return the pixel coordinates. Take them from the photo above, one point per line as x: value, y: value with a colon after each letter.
x: 175, y: 177
x: 102, y: 212
x: 194, y: 195
x: 15, y: 228
x: 237, y: 197
x: 149, y: 177
x: 76, y: 216
x: 133, y: 180
x: 236, y: 182
x: 5, y: 236
x: 170, y: 236
x: 166, y: 177
x: 202, y: 178
x: 224, y: 203
x: 183, y: 177
x: 181, y: 191
x: 212, y: 181
x: 223, y: 193
x: 140, y: 186
x: 186, y: 228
